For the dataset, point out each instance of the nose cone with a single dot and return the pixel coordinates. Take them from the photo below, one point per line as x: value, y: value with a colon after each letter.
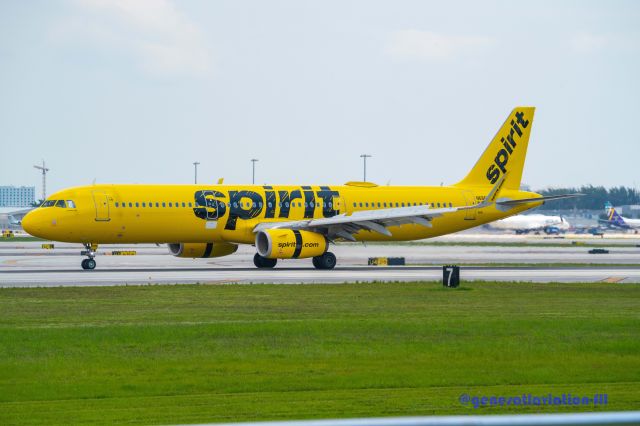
x: 32, y: 224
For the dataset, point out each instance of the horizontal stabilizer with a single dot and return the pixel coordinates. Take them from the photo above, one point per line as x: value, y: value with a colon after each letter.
x: 513, y: 203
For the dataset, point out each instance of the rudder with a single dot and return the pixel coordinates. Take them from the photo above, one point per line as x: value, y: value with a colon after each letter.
x: 505, y: 154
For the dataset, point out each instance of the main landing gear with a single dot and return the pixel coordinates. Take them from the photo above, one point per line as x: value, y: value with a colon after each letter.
x: 90, y: 252
x: 325, y: 261
x: 264, y: 262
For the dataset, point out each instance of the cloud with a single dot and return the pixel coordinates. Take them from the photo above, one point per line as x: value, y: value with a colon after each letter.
x: 416, y: 44
x: 159, y: 38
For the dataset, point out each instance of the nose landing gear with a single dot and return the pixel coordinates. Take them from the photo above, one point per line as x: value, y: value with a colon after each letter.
x: 90, y: 252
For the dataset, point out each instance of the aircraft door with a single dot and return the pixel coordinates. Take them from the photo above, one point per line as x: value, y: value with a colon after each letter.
x: 212, y: 207
x: 469, y: 199
x: 101, y: 201
x: 339, y: 205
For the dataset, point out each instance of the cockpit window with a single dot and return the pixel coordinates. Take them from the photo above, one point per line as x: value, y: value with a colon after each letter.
x: 71, y: 204
x: 61, y: 203
x: 48, y: 203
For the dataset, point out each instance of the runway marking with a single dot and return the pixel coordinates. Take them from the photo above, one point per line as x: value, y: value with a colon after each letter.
x: 613, y: 279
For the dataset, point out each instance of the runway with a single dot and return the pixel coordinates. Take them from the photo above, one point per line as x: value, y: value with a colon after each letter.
x: 28, y: 265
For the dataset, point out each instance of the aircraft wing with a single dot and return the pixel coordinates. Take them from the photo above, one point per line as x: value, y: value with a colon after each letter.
x: 344, y: 226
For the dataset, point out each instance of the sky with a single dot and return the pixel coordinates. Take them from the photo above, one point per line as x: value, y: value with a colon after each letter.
x: 135, y: 91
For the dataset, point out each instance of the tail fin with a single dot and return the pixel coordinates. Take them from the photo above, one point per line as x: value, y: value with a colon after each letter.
x: 607, y: 208
x: 614, y: 217
x: 505, y: 154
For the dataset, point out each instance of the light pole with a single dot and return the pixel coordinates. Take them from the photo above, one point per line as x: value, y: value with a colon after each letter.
x: 195, y: 170
x: 364, y: 158
x: 253, y: 167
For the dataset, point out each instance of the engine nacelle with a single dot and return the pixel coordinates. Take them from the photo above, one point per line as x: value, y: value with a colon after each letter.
x: 205, y: 250
x: 289, y: 244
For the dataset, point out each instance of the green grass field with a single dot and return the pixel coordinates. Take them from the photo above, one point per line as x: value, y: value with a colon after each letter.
x: 186, y: 354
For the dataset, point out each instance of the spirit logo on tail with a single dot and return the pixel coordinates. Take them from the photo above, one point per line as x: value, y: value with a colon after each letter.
x: 502, y: 157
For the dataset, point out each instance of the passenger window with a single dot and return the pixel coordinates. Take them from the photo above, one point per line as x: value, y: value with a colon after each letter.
x: 61, y: 203
x: 116, y: 204
x: 144, y: 205
x: 402, y: 204
x: 450, y: 205
x: 137, y: 204
x: 354, y: 204
x: 164, y: 205
x: 184, y: 205
x: 130, y: 204
x: 384, y: 204
x: 189, y: 204
x: 438, y: 205
x: 170, y: 204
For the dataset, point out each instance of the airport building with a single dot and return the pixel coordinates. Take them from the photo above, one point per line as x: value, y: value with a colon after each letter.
x: 12, y: 196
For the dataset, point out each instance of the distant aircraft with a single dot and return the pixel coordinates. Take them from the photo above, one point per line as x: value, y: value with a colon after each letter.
x: 614, y: 219
x: 525, y: 223
x: 291, y: 222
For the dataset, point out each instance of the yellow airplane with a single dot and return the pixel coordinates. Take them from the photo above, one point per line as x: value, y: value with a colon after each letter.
x: 290, y: 222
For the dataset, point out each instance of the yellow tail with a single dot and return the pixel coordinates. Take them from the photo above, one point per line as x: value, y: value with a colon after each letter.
x: 505, y: 154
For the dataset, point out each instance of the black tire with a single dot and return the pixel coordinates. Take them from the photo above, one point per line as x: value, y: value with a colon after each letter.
x: 84, y: 263
x: 90, y: 264
x: 263, y: 262
x: 316, y: 262
x: 326, y: 261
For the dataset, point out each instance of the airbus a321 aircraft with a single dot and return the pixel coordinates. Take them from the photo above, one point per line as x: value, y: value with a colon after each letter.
x: 290, y: 222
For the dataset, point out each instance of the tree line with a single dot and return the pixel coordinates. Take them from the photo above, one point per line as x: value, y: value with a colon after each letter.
x: 593, y: 199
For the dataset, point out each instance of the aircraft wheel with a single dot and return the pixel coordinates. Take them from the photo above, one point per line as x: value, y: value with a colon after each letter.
x: 88, y: 264
x: 326, y: 261
x: 263, y: 262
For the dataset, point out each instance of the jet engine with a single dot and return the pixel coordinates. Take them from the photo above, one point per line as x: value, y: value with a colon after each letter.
x: 205, y: 250
x: 290, y: 244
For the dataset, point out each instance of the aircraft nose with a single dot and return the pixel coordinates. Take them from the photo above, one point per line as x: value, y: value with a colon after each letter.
x: 32, y: 224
